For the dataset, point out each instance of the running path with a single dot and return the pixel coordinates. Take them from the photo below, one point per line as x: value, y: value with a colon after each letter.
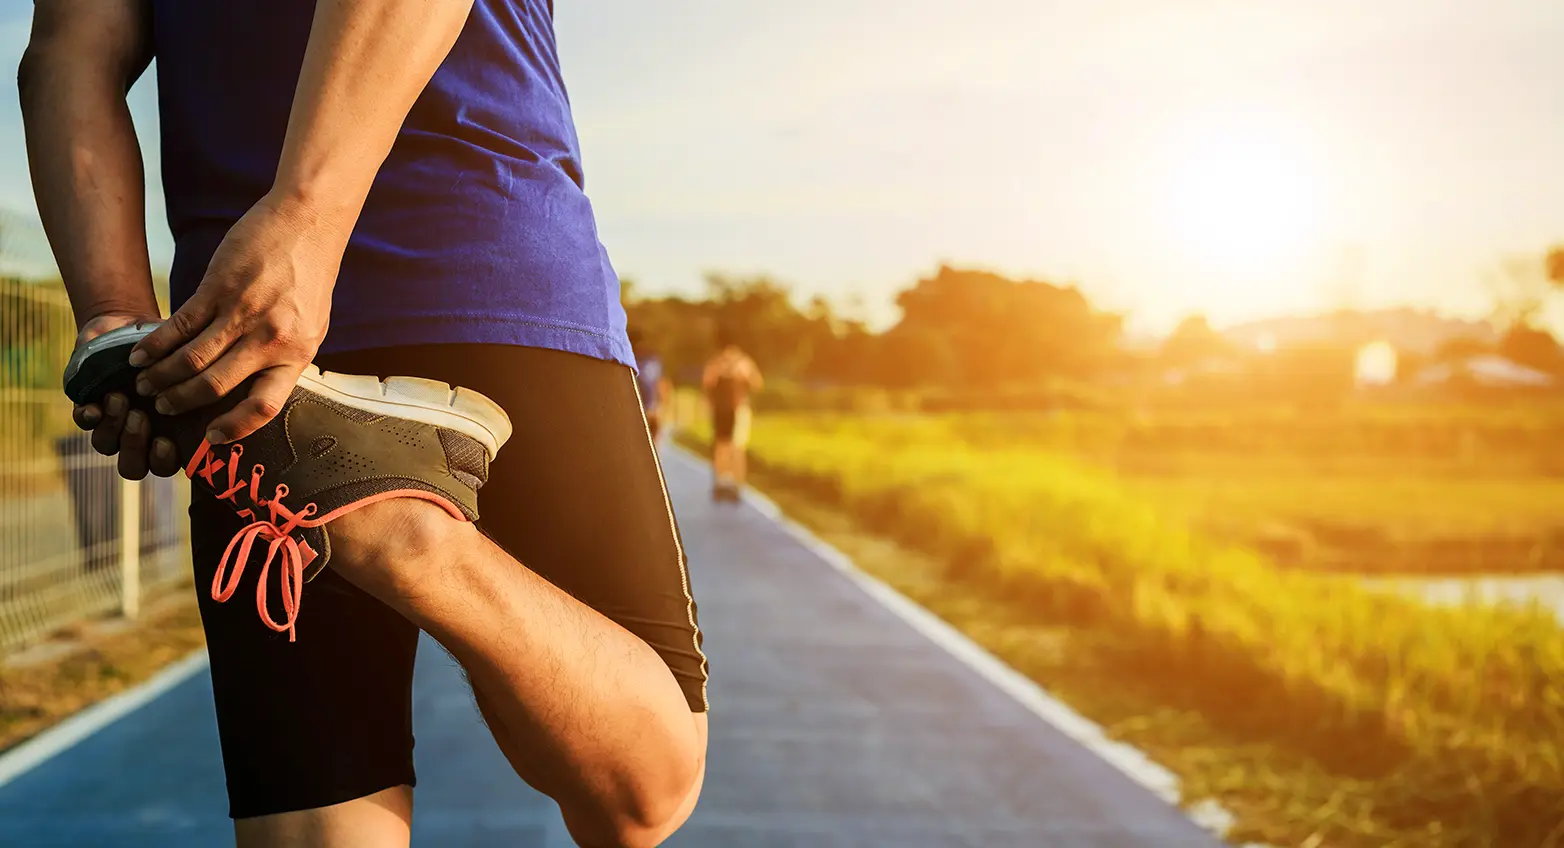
x: 836, y: 725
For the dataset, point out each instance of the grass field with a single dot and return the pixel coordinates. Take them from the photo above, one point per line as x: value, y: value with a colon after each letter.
x: 1374, y: 491
x: 1323, y: 713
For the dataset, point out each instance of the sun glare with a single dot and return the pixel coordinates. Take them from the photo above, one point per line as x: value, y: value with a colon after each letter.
x: 1242, y: 202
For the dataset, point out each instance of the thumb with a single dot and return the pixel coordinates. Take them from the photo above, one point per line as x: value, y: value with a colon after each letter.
x: 268, y: 393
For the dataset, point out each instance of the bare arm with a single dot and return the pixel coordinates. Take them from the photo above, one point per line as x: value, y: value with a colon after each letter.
x: 263, y: 307
x: 81, y: 60
x: 756, y: 382
x: 367, y: 61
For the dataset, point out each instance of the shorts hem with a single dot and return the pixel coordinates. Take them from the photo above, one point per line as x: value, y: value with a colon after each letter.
x: 468, y: 329
x: 277, y: 806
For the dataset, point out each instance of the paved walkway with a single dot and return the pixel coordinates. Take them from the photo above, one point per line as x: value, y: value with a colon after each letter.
x: 836, y: 725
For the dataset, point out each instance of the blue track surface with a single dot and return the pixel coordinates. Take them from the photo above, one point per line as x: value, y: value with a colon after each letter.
x: 835, y: 724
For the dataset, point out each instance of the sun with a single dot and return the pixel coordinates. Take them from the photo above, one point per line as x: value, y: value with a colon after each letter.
x: 1243, y: 201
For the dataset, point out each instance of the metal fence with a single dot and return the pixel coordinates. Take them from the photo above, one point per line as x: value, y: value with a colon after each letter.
x: 75, y: 539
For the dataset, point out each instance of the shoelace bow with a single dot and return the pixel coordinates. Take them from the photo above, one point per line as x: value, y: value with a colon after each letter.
x: 278, y: 536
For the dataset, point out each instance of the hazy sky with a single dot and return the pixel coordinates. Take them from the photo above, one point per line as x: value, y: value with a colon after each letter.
x: 1213, y: 155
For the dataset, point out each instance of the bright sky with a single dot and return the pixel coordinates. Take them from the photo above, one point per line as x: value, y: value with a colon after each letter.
x: 1231, y: 157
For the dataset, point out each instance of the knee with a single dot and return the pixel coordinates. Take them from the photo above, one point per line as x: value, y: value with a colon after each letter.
x: 649, y: 824
x: 645, y: 818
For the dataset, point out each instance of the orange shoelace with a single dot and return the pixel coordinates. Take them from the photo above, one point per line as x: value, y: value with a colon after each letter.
x: 276, y: 531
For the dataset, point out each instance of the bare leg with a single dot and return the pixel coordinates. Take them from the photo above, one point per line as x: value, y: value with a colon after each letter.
x: 519, y: 761
x: 740, y: 463
x: 587, y: 712
x: 721, y: 460
x: 381, y: 820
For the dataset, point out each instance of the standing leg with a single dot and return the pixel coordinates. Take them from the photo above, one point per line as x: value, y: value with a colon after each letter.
x: 317, y: 735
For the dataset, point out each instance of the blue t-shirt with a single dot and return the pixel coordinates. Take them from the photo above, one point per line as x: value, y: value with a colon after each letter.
x: 477, y: 228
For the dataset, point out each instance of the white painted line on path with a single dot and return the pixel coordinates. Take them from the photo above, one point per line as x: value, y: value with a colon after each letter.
x: 63, y: 736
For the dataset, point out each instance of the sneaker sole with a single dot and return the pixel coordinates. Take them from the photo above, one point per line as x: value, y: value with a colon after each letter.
x: 100, y: 366
x: 102, y: 363
x: 416, y: 399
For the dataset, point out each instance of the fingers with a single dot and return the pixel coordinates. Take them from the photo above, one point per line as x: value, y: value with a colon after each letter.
x: 164, y: 461
x: 213, y: 382
x: 267, y: 395
x: 87, y: 415
x: 185, y: 324
x: 106, y: 436
x: 133, y: 446
x: 187, y: 361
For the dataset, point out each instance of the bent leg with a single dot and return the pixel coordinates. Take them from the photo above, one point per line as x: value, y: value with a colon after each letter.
x: 575, y: 621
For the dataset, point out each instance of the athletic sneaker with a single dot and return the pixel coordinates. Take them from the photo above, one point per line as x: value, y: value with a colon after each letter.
x: 341, y: 442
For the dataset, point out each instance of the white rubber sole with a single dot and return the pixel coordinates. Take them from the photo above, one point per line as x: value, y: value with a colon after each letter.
x: 416, y: 399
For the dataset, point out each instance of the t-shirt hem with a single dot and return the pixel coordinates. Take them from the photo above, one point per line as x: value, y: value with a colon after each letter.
x: 466, y: 329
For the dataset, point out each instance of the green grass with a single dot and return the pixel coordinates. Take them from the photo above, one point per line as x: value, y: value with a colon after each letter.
x: 1387, y: 490
x: 1418, y: 726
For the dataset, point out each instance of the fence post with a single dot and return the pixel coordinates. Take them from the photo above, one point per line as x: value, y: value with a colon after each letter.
x: 130, y: 547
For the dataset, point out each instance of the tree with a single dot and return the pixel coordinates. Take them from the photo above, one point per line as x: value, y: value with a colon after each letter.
x: 1522, y: 286
x: 985, y: 330
x: 1310, y: 375
x: 1532, y: 347
x: 1192, y: 342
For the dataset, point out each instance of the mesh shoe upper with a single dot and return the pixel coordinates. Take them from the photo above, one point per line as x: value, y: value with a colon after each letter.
x: 317, y: 460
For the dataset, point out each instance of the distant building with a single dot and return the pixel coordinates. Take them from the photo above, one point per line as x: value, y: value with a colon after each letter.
x: 1405, y: 329
x: 1486, y: 369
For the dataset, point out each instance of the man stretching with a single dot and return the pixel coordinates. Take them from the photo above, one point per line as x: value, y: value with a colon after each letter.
x: 405, y: 172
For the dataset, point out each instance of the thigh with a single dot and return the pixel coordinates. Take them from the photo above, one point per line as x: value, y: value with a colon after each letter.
x: 577, y: 493
x: 310, y: 723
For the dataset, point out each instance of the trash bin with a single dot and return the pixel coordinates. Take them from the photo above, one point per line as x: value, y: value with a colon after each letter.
x: 94, y: 492
x: 158, y: 512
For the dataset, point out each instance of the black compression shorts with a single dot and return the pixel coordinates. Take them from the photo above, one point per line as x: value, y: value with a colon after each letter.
x: 576, y: 495
x: 724, y: 420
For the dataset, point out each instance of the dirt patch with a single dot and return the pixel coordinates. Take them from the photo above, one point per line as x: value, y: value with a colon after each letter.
x: 91, y: 661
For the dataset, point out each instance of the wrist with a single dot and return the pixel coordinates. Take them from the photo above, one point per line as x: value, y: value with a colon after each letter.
x: 315, y: 210
x: 109, y: 310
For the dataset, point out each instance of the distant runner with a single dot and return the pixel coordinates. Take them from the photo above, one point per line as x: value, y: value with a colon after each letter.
x: 652, y: 381
x: 729, y: 379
